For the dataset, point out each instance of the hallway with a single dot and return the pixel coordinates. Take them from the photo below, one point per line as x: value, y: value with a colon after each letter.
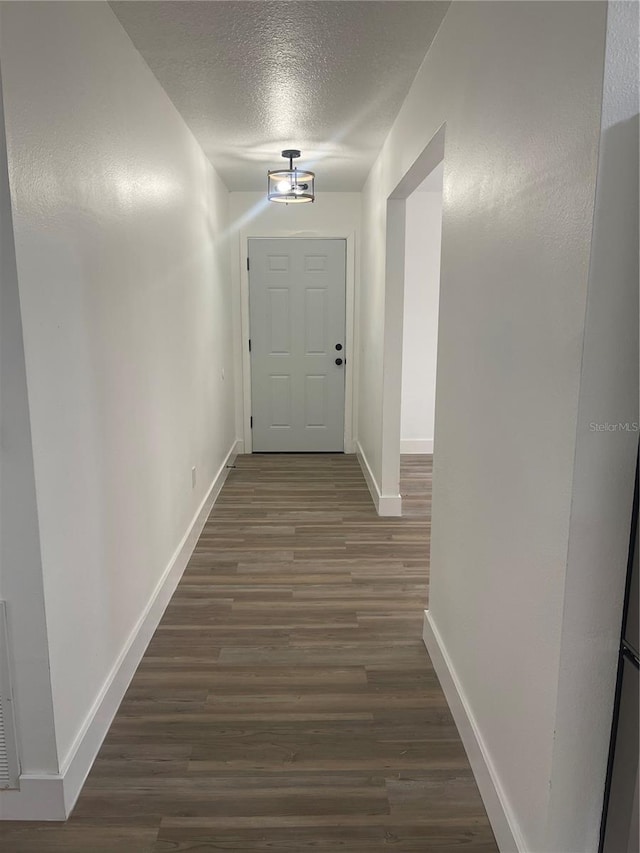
x: 286, y: 701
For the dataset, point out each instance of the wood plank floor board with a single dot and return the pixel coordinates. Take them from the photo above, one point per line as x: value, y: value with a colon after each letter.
x: 286, y: 701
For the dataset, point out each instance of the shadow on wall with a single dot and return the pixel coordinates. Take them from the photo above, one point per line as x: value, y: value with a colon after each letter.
x: 603, y: 494
x: 617, y: 206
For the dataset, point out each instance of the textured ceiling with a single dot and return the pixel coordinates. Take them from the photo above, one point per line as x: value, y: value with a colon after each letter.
x: 252, y: 78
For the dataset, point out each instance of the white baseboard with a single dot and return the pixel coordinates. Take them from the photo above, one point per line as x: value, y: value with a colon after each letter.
x: 416, y: 445
x: 503, y: 822
x: 52, y: 797
x: 386, y: 505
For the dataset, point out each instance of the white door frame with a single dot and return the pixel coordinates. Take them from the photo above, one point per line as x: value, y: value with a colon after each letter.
x: 422, y: 166
x: 350, y: 349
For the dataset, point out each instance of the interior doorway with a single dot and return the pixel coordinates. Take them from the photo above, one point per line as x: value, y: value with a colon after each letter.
x: 394, y: 388
x: 423, y: 231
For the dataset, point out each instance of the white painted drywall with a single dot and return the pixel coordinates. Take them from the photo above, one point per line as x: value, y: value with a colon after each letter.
x: 331, y: 215
x: 605, y: 460
x: 251, y: 212
x: 126, y: 308
x: 519, y: 87
x: 21, y: 583
x: 423, y: 226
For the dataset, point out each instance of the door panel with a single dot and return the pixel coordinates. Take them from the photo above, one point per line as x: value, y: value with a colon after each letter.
x: 279, y: 321
x: 316, y: 401
x: 280, y: 400
x: 315, y: 321
x: 297, y: 316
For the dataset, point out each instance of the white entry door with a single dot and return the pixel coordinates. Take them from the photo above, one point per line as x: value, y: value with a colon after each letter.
x: 297, y: 331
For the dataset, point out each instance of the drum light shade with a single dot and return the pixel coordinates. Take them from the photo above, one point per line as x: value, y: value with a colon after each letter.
x: 291, y: 186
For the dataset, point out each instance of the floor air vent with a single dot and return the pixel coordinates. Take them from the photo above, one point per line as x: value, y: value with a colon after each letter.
x: 9, y: 768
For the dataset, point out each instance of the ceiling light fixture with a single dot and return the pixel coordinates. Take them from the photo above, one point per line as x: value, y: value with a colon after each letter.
x: 292, y: 185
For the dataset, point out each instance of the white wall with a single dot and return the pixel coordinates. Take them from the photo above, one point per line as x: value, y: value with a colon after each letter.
x: 423, y: 227
x: 21, y: 583
x: 605, y: 459
x: 127, y: 317
x: 519, y: 87
x: 331, y: 215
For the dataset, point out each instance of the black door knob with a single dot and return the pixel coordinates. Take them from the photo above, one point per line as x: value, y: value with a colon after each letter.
x: 338, y: 361
x: 338, y: 347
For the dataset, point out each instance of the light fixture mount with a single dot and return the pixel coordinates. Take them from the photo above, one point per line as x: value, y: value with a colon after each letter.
x: 292, y: 185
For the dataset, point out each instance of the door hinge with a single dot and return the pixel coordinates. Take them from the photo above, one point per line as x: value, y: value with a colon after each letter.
x: 251, y: 421
x: 249, y: 344
x: 247, y: 263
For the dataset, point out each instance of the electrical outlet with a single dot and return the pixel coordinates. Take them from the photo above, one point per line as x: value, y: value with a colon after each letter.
x: 193, y: 477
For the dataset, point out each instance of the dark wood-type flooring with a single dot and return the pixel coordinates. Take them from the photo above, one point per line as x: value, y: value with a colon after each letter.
x: 286, y: 701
